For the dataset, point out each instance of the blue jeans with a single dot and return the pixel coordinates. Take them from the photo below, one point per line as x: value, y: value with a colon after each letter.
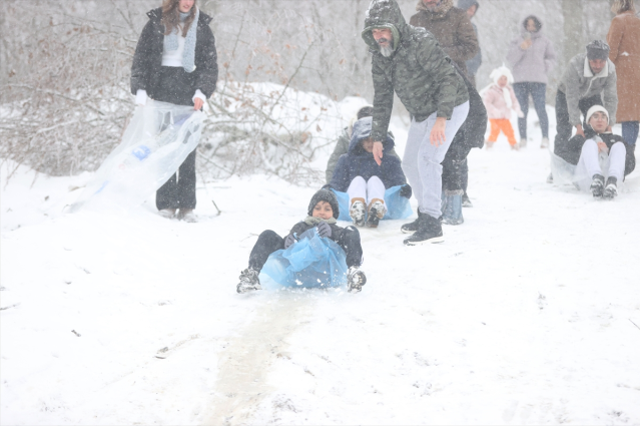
x: 630, y: 131
x: 538, y: 93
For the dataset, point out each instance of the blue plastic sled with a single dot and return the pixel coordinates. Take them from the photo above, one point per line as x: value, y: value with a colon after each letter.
x: 398, y: 207
x: 312, y: 262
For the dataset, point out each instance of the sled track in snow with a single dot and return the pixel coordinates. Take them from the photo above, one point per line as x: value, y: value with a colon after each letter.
x: 247, y: 360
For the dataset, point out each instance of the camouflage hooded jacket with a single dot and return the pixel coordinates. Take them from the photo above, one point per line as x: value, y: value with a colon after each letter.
x: 418, y: 70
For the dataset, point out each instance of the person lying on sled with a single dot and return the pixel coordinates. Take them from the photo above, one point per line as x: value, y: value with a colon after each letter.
x: 372, y: 191
x: 317, y: 232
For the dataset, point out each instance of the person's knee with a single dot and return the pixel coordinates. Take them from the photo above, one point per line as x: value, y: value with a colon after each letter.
x: 270, y: 238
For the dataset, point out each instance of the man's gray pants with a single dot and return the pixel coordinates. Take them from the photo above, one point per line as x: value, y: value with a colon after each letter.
x: 422, y: 161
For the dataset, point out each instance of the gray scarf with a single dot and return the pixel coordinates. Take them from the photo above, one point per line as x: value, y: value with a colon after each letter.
x: 189, y: 54
x: 313, y: 221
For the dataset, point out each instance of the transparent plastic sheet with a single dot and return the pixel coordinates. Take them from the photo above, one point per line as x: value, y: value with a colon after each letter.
x: 312, y: 262
x: 157, y: 140
x: 398, y: 207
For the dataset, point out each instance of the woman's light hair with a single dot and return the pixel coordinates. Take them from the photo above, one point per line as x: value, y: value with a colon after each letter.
x: 620, y: 6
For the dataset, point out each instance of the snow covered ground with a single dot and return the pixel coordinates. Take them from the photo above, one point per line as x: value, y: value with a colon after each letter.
x: 529, y: 313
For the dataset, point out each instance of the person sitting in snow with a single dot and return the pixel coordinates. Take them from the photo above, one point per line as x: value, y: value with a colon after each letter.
x: 322, y: 213
x: 598, y: 154
x: 366, y: 182
x: 500, y: 99
x: 342, y: 145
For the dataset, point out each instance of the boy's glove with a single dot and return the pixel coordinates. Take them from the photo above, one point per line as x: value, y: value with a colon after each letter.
x: 405, y: 191
x: 324, y: 230
x: 290, y: 239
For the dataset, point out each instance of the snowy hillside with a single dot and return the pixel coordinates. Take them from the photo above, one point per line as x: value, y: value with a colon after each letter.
x: 528, y: 313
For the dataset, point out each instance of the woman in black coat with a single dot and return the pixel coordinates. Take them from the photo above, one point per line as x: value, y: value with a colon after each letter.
x: 176, y: 62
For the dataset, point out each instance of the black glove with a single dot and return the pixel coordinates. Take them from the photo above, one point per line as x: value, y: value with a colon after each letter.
x: 324, y: 230
x: 405, y: 191
x: 290, y: 239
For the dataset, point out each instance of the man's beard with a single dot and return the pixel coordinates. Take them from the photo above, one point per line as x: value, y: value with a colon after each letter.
x: 387, y: 50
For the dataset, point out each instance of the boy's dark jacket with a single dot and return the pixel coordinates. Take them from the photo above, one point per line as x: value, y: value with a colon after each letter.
x: 570, y: 151
x: 358, y: 162
x: 147, y: 61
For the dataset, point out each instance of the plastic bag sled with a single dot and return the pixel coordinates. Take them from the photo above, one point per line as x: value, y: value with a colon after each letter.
x: 312, y: 262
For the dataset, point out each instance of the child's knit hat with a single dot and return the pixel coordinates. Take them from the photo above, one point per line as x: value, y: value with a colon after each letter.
x: 597, y: 108
x: 325, y: 195
x: 499, y: 72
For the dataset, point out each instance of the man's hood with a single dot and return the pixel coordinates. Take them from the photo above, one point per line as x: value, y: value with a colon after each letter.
x: 384, y: 14
x: 440, y: 11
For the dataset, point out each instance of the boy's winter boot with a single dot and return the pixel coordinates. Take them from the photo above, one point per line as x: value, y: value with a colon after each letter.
x: 597, y: 185
x: 452, y: 207
x: 249, y: 281
x: 355, y: 279
x: 429, y: 231
x: 357, y: 211
x: 611, y: 188
x: 377, y: 210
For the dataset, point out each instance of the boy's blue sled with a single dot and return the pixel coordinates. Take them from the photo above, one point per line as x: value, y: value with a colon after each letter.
x: 312, y: 262
x: 398, y: 207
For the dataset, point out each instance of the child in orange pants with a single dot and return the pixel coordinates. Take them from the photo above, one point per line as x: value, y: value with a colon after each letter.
x: 500, y: 100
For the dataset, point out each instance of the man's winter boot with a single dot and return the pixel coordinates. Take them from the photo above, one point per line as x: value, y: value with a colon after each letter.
x: 597, y: 185
x: 167, y: 213
x: 377, y: 210
x: 249, y: 281
x: 355, y: 279
x: 429, y: 231
x: 357, y: 211
x: 411, y: 227
x: 187, y: 215
x: 466, y: 201
x: 452, y: 207
x: 611, y: 188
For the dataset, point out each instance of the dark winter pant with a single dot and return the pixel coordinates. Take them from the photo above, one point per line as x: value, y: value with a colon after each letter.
x: 269, y: 242
x: 177, y: 87
x: 563, y: 126
x: 179, y: 192
x: 455, y: 171
x: 630, y: 132
x: 538, y: 94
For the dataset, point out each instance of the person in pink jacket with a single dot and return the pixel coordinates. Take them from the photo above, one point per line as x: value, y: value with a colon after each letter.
x: 500, y: 100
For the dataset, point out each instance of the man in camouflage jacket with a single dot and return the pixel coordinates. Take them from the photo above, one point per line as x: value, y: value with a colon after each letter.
x: 410, y: 61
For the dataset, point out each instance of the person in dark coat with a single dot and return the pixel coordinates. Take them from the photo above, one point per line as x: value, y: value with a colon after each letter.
x: 342, y: 145
x: 176, y: 62
x: 598, y: 155
x: 323, y: 212
x: 359, y: 175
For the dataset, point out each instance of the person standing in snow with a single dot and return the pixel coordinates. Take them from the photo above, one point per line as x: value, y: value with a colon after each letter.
x: 409, y: 61
x: 531, y: 57
x: 473, y: 64
x: 358, y: 174
x: 342, y: 145
x: 624, y: 40
x: 598, y: 155
x: 175, y: 61
x: 458, y: 37
x: 323, y: 212
x: 500, y: 101
x: 590, y: 79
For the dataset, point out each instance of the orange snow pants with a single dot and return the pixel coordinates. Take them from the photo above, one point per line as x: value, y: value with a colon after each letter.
x: 504, y: 125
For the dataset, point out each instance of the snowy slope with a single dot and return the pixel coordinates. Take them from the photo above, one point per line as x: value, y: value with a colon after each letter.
x: 525, y: 315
